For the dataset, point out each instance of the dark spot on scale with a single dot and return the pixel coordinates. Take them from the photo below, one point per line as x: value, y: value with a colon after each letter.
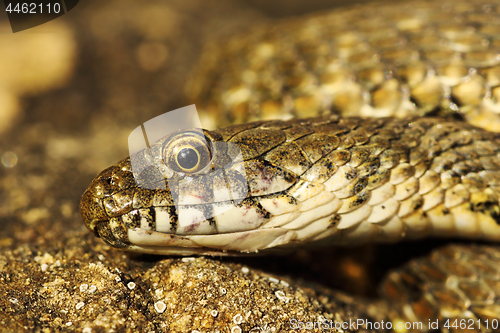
x: 359, y: 187
x: 496, y: 217
x: 305, y: 164
x: 289, y: 177
x: 482, y: 207
x: 490, y: 208
x: 334, y: 220
x: 418, y: 203
x: 174, y: 221
x: 446, y: 211
x: 292, y: 201
x: 383, y: 207
x: 361, y: 199
x: 152, y: 214
x: 350, y: 175
x: 136, y: 217
x: 424, y: 214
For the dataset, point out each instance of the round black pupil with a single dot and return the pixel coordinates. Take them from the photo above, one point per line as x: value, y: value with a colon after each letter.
x: 187, y: 158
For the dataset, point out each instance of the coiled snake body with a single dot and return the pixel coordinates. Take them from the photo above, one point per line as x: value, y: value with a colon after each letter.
x: 359, y: 125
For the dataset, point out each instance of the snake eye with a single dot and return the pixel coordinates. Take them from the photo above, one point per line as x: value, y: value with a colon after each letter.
x: 187, y: 152
x: 188, y: 158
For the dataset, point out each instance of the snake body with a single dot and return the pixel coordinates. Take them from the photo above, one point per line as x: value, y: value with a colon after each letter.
x: 338, y: 180
x: 353, y: 126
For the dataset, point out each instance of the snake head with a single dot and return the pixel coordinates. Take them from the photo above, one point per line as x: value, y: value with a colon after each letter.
x: 186, y: 193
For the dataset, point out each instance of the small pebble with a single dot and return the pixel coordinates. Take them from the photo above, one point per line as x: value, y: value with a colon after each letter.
x: 238, y: 319
x: 274, y: 280
x: 160, y: 306
x: 281, y: 296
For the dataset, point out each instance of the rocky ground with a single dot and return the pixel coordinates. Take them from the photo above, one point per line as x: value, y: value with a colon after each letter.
x: 71, y: 91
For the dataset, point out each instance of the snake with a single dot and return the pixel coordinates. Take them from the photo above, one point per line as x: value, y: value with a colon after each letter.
x: 372, y: 123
